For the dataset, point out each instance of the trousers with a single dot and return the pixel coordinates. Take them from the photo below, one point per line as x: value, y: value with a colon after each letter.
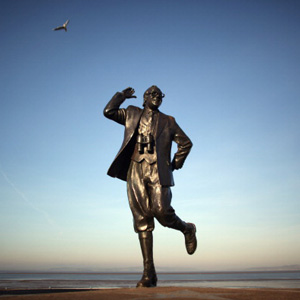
x: 148, y: 199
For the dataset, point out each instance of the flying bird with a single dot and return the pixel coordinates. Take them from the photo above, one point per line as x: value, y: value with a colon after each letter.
x: 62, y: 27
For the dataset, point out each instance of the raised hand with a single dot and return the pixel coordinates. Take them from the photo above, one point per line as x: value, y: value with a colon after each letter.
x: 128, y: 93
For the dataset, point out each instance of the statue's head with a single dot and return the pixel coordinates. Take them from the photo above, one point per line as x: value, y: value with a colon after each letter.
x: 153, y: 97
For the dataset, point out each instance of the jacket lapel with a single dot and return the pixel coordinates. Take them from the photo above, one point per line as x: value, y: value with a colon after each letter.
x: 133, y: 121
x: 161, y: 123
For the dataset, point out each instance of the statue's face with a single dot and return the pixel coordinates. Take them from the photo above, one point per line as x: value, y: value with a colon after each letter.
x: 153, y: 97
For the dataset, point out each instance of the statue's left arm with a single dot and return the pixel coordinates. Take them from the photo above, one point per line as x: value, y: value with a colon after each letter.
x: 184, y: 145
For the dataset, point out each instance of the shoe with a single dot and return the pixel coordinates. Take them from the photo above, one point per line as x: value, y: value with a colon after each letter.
x: 190, y: 238
x: 149, y: 279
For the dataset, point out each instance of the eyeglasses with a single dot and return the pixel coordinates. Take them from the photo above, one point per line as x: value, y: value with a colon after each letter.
x: 155, y: 94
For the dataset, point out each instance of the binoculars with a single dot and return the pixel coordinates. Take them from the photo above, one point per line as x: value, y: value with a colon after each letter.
x: 145, y: 141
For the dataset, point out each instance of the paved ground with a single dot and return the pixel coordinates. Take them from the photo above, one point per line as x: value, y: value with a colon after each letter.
x: 167, y: 293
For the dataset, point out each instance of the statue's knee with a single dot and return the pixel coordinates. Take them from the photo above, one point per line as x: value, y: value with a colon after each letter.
x: 159, y: 212
x: 161, y: 217
x: 162, y: 222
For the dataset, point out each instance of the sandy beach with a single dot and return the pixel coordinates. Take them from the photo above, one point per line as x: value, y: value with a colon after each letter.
x: 174, y: 293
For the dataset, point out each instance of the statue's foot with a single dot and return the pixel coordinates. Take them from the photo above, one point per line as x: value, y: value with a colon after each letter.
x: 149, y: 279
x: 190, y: 238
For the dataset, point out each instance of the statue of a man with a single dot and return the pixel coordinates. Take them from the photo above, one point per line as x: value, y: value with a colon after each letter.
x: 144, y: 161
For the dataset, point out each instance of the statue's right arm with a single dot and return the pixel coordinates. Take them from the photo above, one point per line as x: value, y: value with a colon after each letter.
x: 112, y: 110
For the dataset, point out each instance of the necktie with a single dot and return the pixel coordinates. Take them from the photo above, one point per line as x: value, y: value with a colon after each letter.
x: 146, y: 122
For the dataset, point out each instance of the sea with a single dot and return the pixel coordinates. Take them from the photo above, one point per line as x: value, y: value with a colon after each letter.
x: 266, y: 279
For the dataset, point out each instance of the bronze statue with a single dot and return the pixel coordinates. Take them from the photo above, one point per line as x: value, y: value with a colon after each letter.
x: 144, y: 161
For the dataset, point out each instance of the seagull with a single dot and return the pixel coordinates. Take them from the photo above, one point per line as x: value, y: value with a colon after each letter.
x: 62, y: 27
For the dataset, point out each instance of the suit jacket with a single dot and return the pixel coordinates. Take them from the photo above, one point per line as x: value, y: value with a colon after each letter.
x: 167, y: 132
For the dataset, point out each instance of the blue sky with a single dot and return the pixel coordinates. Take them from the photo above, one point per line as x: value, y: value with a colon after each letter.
x: 230, y: 72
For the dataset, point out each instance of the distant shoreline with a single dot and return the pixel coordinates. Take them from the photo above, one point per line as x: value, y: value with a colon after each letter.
x: 93, y: 280
x: 136, y: 272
